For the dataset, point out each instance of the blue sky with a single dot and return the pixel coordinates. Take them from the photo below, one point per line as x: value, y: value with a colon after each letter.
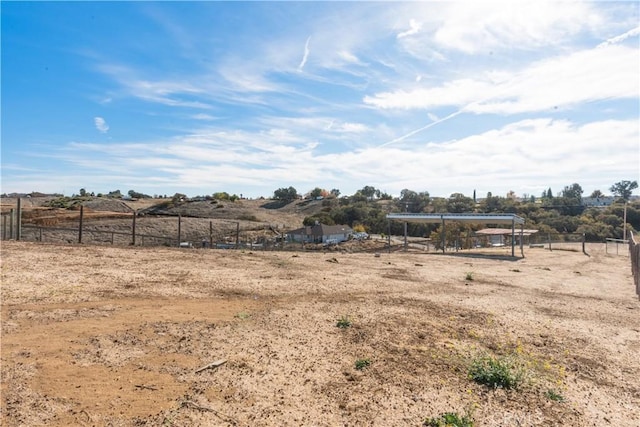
x: 249, y: 97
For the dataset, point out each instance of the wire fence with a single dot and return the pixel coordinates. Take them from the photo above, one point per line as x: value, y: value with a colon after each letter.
x: 574, y: 242
x: 132, y: 229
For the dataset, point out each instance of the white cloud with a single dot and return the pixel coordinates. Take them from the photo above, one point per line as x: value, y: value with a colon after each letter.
x: 481, y: 26
x: 305, y: 56
x: 202, y: 116
x: 101, y: 124
x: 555, y: 82
x: 526, y: 156
x: 349, y: 57
x: 622, y: 37
x: 414, y: 28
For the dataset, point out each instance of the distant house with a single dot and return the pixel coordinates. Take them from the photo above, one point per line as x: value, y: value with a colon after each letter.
x: 598, y: 201
x: 320, y: 233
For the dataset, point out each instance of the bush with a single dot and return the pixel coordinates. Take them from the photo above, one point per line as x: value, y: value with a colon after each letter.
x: 496, y: 372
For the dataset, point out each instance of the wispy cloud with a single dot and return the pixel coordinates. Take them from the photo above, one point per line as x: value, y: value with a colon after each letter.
x: 622, y: 37
x: 414, y: 28
x: 203, y: 116
x: 555, y: 82
x: 101, y: 124
x: 306, y: 54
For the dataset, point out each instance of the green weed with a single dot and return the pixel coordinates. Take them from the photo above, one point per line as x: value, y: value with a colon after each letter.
x: 553, y: 395
x: 362, y: 363
x: 449, y: 419
x: 496, y: 372
x: 344, y: 322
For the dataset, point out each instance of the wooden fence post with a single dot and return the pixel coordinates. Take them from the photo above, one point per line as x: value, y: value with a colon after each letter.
x: 210, y: 234
x: 133, y: 229
x: 179, y: 229
x: 237, y: 235
x: 11, y: 215
x: 80, y: 226
x: 19, y: 220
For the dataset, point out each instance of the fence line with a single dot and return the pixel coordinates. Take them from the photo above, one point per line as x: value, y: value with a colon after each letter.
x: 634, y: 254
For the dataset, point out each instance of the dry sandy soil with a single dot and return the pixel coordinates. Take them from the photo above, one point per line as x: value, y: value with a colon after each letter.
x: 116, y: 336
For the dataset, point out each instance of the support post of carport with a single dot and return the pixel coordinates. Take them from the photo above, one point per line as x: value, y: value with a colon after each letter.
x: 406, y: 243
x: 444, y: 236
x: 513, y: 237
x: 522, y: 240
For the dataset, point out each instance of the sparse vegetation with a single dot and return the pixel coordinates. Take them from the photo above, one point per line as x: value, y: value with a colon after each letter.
x: 243, y: 315
x: 553, y: 395
x: 449, y: 419
x: 362, y: 364
x: 344, y: 322
x: 496, y: 372
x: 469, y: 276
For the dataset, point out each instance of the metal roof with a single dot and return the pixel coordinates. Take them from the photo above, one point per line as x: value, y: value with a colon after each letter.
x: 499, y: 231
x: 477, y: 218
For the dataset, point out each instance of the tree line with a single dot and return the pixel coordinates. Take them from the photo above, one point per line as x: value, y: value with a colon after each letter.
x: 563, y: 213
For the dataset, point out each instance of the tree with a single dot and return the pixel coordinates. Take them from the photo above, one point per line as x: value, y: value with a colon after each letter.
x: 624, y: 189
x: 335, y: 192
x: 369, y: 192
x: 285, y: 194
x: 220, y: 195
x: 573, y: 191
x: 137, y: 195
x: 178, y: 197
x: 596, y: 194
x: 458, y: 203
x: 316, y: 192
x: 83, y: 192
x: 412, y: 201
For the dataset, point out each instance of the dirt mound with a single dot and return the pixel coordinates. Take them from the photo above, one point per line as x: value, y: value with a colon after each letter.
x: 107, y: 205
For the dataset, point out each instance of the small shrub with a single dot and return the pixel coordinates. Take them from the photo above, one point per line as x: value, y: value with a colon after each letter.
x: 553, y: 395
x: 344, y: 322
x: 243, y: 315
x: 496, y: 372
x: 469, y: 276
x: 449, y: 419
x: 362, y: 363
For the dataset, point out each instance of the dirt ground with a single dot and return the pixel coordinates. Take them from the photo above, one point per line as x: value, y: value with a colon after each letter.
x: 101, y: 336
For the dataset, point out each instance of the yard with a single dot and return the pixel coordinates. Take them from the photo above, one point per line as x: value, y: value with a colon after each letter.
x: 125, y: 336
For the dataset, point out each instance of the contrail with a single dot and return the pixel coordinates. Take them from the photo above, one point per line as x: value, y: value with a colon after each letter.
x: 622, y: 37
x: 444, y: 119
x: 614, y: 40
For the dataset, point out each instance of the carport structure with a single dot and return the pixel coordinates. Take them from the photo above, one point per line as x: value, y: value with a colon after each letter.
x: 468, y: 218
